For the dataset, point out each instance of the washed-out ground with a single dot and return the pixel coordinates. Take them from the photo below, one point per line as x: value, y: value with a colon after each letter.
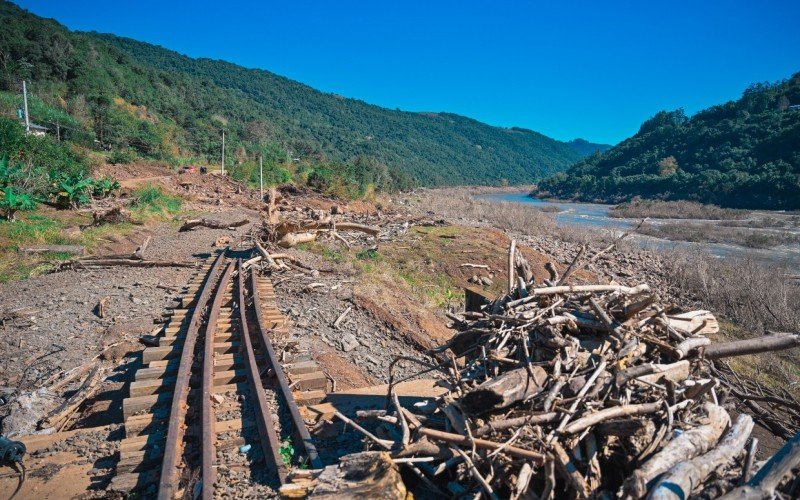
x: 397, y: 295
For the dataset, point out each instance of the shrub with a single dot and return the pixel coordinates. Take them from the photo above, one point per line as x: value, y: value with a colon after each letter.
x: 122, y: 156
x: 103, y: 187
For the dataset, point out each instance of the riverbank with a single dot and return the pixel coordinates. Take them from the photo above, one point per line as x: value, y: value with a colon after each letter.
x: 768, y: 237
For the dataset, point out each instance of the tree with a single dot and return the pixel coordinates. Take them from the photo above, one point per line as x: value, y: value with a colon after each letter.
x: 667, y: 166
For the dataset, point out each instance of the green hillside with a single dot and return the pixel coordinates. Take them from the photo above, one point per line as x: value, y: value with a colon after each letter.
x: 741, y: 154
x: 142, y: 100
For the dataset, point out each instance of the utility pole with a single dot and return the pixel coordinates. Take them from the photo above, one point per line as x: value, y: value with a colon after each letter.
x: 223, y: 152
x: 58, y: 131
x: 25, y: 101
x: 261, y: 176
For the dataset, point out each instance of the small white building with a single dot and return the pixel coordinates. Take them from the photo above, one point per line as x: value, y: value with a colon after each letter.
x: 37, y: 130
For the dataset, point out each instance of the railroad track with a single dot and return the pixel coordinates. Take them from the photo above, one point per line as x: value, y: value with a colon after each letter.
x: 200, y: 412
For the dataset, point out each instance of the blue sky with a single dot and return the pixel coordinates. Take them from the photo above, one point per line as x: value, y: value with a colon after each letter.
x: 589, y: 69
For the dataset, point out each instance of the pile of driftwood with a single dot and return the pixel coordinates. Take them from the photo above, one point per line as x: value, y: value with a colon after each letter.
x: 560, y: 390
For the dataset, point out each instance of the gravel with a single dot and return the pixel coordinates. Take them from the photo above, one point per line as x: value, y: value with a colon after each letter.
x: 62, y: 331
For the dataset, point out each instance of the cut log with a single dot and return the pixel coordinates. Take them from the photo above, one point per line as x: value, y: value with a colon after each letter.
x: 688, y: 445
x: 212, y: 224
x: 691, y: 344
x: 679, y: 482
x: 698, y: 322
x: 70, y: 249
x: 774, y: 342
x: 290, y: 240
x: 370, y: 474
x: 504, y: 390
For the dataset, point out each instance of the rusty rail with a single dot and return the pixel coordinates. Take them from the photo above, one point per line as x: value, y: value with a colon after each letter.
x: 173, y: 447
x: 270, y: 443
x: 299, y: 425
x: 209, y: 474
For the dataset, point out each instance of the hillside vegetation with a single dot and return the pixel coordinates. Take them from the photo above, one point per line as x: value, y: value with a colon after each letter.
x: 741, y: 154
x: 140, y: 100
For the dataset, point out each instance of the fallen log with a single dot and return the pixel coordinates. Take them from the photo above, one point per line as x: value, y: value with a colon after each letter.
x: 679, y: 482
x: 688, y: 445
x: 131, y: 263
x: 774, y: 342
x: 70, y: 249
x: 212, y: 224
x: 88, y: 388
x: 504, y: 390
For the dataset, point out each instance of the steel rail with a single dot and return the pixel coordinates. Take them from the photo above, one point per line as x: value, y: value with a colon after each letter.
x: 209, y: 474
x: 300, y: 426
x: 173, y: 448
x: 270, y: 443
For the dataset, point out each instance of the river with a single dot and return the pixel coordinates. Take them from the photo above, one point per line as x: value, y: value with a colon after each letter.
x: 595, y: 215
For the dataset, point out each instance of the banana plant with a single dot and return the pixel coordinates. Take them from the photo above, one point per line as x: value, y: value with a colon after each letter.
x: 11, y: 202
x: 71, y: 193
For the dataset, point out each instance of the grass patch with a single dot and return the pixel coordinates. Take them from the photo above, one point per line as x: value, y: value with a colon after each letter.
x: 32, y: 229
x: 28, y: 230
x: 93, y: 235
x: 46, y: 227
x: 153, y: 200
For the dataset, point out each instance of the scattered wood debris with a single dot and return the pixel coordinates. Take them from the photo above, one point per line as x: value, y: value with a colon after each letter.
x: 588, y: 391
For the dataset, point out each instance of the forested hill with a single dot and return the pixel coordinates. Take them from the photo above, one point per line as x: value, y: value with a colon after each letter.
x: 744, y: 153
x: 155, y: 103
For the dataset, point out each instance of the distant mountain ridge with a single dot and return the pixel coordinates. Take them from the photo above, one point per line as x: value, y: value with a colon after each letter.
x: 586, y: 148
x: 163, y: 105
x: 741, y: 154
